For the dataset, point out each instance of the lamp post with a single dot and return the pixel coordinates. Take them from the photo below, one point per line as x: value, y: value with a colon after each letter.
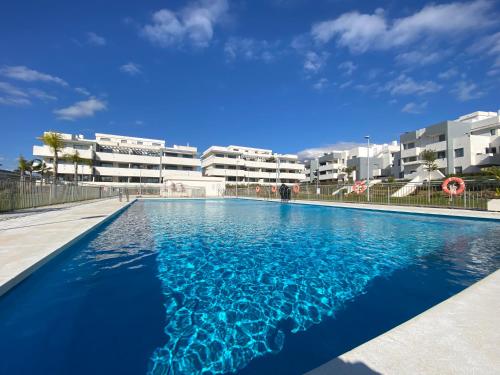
x: 237, y: 157
x: 367, y: 137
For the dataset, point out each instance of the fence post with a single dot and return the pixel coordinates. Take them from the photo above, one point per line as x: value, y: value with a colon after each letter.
x: 388, y: 194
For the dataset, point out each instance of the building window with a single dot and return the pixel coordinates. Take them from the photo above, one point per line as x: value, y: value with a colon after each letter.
x: 123, y: 141
x: 459, y: 152
x: 408, y: 146
x: 441, y: 154
x: 442, y: 138
x: 493, y: 131
x: 106, y: 139
x: 458, y: 170
x: 491, y: 150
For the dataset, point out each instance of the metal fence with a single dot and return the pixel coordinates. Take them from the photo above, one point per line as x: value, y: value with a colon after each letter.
x: 178, y: 191
x: 475, y: 196
x: 15, y: 194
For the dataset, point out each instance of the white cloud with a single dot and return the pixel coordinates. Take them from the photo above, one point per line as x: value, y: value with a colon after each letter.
x: 320, y: 84
x: 26, y: 74
x: 131, y: 68
x: 81, y: 109
x: 250, y: 49
x: 348, y: 67
x: 447, y: 74
x: 95, y: 40
x: 14, y: 96
x: 415, y: 58
x: 362, y: 32
x: 42, y: 95
x: 489, y: 45
x: 82, y: 90
x: 345, y: 84
x: 414, y: 108
x: 314, y: 61
x: 314, y: 152
x: 194, y: 23
x: 404, y: 85
x: 465, y: 91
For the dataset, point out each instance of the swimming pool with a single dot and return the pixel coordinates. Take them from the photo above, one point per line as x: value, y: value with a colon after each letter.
x: 221, y: 286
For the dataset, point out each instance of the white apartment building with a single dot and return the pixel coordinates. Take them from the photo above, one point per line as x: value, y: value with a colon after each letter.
x: 248, y: 165
x: 464, y: 145
x: 127, y: 161
x: 332, y: 166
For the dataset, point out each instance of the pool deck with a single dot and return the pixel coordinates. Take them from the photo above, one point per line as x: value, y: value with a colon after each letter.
x: 456, y: 212
x: 29, y: 238
x: 458, y: 336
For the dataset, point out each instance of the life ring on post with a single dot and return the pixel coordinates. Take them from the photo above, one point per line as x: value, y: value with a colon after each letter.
x: 274, y: 189
x: 453, y: 186
x: 296, y: 189
x: 257, y: 189
x: 359, y: 187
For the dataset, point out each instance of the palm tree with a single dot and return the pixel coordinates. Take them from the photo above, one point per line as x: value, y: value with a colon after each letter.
x: 55, y: 142
x: 42, y: 169
x: 494, y: 171
x: 22, y: 165
x: 75, y: 159
x: 429, y: 158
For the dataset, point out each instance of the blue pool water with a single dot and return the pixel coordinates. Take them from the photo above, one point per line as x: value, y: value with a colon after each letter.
x: 212, y: 286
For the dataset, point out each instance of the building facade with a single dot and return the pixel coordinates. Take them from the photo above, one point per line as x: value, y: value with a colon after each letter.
x: 124, y: 161
x: 248, y: 165
x: 464, y: 145
x: 332, y: 166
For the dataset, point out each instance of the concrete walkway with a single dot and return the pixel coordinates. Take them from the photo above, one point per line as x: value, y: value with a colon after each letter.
x: 30, y: 239
x: 459, y: 336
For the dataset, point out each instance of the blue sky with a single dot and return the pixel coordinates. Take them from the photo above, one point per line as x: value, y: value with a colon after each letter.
x: 291, y: 75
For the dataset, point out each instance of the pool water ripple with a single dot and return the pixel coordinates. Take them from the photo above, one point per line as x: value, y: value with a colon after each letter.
x: 233, y: 273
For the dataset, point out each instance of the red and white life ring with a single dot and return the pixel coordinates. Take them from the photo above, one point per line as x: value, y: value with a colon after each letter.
x: 453, y: 186
x: 257, y: 189
x: 359, y: 187
x: 296, y: 188
x: 274, y: 189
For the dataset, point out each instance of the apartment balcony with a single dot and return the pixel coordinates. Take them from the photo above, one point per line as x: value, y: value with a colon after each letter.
x: 293, y: 176
x: 438, y: 146
x: 46, y: 152
x: 329, y: 167
x: 415, y: 151
x: 328, y: 176
x: 218, y: 172
x: 190, y: 162
x: 127, y: 172
x: 487, y: 160
x: 70, y: 169
x: 222, y: 161
x: 127, y: 158
x: 416, y: 162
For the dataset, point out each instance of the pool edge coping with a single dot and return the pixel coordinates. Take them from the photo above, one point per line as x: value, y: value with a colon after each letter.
x: 21, y: 276
x: 447, y: 309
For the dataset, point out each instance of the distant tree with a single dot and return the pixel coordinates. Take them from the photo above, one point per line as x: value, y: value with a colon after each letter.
x: 429, y: 158
x: 23, y: 165
x: 494, y: 171
x: 76, y: 159
x: 55, y: 142
x: 42, y: 169
x: 349, y: 171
